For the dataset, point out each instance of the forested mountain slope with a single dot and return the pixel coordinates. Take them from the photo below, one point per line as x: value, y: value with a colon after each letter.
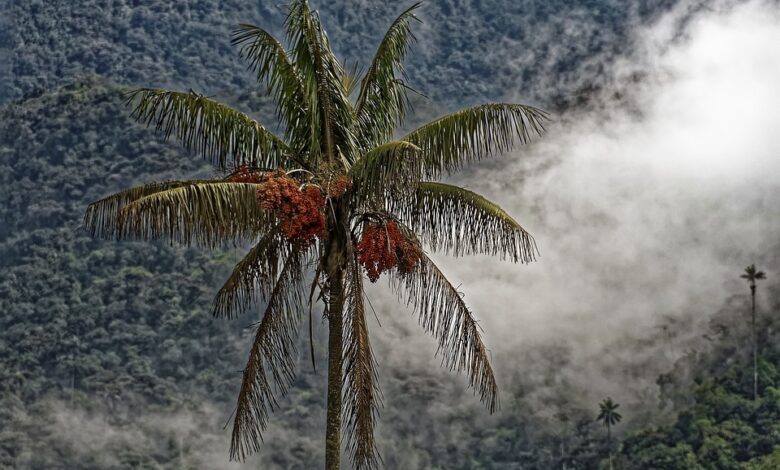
x: 468, y: 50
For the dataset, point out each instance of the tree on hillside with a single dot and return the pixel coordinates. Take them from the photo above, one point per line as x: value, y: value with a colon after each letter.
x: 334, y: 195
x: 609, y: 417
x: 752, y: 275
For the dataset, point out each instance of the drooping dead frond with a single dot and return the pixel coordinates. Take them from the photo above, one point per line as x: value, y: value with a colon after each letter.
x: 443, y: 313
x: 391, y: 170
x: 269, y: 60
x: 223, y: 135
x: 208, y: 214
x: 475, y: 133
x: 455, y: 220
x: 381, y: 104
x: 253, y: 278
x: 361, y: 397
x: 321, y: 74
x: 271, y: 358
x: 100, y: 218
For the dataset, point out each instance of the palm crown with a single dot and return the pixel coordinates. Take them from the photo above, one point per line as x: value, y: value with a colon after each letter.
x: 608, y: 414
x: 752, y: 275
x: 336, y: 195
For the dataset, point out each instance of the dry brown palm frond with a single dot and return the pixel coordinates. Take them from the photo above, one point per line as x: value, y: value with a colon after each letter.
x: 361, y: 396
x: 455, y: 220
x: 271, y: 358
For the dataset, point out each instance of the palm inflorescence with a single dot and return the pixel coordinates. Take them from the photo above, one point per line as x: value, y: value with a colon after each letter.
x: 336, y: 196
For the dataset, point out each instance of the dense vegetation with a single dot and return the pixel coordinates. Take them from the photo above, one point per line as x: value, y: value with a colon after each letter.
x: 186, y: 44
x: 719, y: 425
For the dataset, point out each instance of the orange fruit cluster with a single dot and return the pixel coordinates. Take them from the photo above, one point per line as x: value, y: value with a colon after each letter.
x: 383, y: 247
x: 339, y: 186
x: 300, y: 212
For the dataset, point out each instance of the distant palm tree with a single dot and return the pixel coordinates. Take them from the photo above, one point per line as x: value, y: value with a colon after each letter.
x: 336, y: 194
x: 609, y: 417
x: 751, y: 275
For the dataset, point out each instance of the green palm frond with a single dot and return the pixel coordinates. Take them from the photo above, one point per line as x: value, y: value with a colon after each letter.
x: 391, y: 170
x: 321, y: 75
x: 101, y: 216
x: 362, y: 397
x: 455, y: 220
x: 221, y: 134
x: 444, y: 314
x: 271, y: 358
x: 209, y: 214
x: 253, y: 277
x: 382, y: 102
x: 268, y: 58
x: 475, y: 133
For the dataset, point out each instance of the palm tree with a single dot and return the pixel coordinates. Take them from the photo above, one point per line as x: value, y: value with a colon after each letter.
x: 609, y: 417
x: 751, y: 275
x: 334, y: 195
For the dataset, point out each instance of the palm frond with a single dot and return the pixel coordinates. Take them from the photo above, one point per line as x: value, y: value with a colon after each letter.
x: 209, y: 214
x: 475, y: 133
x: 382, y: 102
x: 221, y: 134
x: 455, y: 220
x: 101, y: 216
x: 253, y: 277
x: 391, y: 170
x: 362, y: 397
x: 268, y: 58
x: 321, y: 74
x: 443, y: 313
x: 271, y: 358
x: 752, y: 274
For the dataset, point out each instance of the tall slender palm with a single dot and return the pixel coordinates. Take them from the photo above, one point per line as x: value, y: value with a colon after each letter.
x: 751, y: 275
x: 609, y: 417
x: 337, y: 196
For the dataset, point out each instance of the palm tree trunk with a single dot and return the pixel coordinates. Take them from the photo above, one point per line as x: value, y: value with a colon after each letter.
x: 755, y: 343
x: 335, y: 327
x: 609, y: 445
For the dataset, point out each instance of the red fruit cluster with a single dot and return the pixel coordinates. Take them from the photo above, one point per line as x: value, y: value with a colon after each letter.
x: 338, y: 187
x: 301, y: 212
x: 383, y: 247
x: 244, y: 174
